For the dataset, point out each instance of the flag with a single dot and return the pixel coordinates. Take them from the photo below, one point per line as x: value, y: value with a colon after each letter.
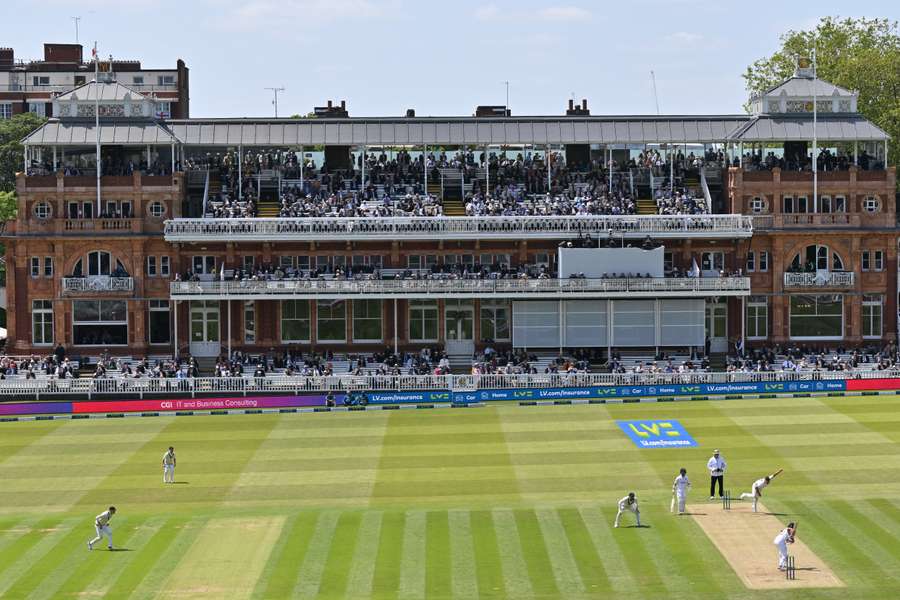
x: 222, y: 272
x: 740, y: 347
x: 695, y: 268
x: 94, y: 51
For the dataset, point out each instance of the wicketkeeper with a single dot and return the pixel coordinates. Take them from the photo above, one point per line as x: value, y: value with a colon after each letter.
x: 627, y: 503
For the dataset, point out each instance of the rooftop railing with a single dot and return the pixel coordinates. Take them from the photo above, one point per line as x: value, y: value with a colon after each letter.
x: 20, y: 387
x: 393, y: 228
x: 466, y: 288
x: 829, y: 279
x: 98, y: 284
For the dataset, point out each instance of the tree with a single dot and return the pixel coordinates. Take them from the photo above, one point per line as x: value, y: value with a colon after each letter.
x: 857, y: 54
x: 12, y: 131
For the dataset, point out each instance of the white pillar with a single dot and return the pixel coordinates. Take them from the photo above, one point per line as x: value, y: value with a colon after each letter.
x: 175, y: 310
x: 54, y: 159
x: 362, y: 178
x: 25, y: 164
x: 487, y: 172
x: 240, y: 173
x: 549, y: 175
x: 228, y: 308
x: 425, y: 166
x: 396, y: 342
x: 148, y: 156
x: 609, y: 168
x: 302, y: 160
x: 173, y: 158
x: 856, y: 152
x: 743, y: 321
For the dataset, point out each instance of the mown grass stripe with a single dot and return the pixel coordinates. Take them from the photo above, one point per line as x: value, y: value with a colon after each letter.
x: 887, y: 508
x: 686, y: 569
x: 362, y: 565
x: 91, y: 569
x: 291, y: 548
x: 568, y: 578
x: 412, y: 561
x: 167, y: 561
x: 534, y: 550
x: 875, y: 536
x: 13, y: 554
x: 129, y: 578
x: 857, y: 566
x: 437, y: 554
x: 613, y: 563
x: 386, y: 581
x: 462, y: 556
x: 337, y: 568
x: 39, y: 571
x: 488, y: 564
x: 309, y: 576
x: 584, y: 553
x: 638, y: 563
x: 515, y: 569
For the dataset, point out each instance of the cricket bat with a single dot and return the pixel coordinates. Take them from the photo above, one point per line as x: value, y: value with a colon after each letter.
x: 776, y: 473
x: 672, y: 504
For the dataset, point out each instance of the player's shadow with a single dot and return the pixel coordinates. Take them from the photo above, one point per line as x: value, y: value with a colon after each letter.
x: 637, y: 527
x: 120, y: 549
x: 181, y: 482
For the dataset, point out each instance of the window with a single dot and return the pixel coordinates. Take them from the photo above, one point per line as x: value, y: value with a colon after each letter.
x: 42, y: 209
x: 158, y: 323
x: 787, y: 204
x: 668, y: 262
x: 872, y: 316
x: 751, y: 261
x: 98, y: 263
x: 165, y: 267
x: 494, y: 321
x: 757, y: 205
x: 138, y: 80
x: 303, y: 263
x: 712, y: 261
x: 41, y: 322
x: 35, y: 266
x: 423, y: 321
x: 872, y: 260
x: 250, y: 322
x: 100, y: 322
x: 157, y: 209
x: 331, y: 321
x: 204, y: 265
x: 817, y: 258
x: 870, y: 204
x: 48, y: 266
x: 799, y: 204
x: 38, y: 108
x: 165, y: 79
x: 286, y: 262
x: 39, y: 80
x: 757, y: 317
x: 80, y: 80
x: 248, y: 263
x: 164, y: 110
x: 151, y: 266
x: 763, y: 261
x: 5, y: 110
x: 814, y: 317
x: 367, y: 320
x: 295, y: 320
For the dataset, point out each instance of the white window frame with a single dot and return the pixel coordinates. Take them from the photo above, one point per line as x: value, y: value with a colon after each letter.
x: 48, y: 266
x: 420, y: 307
x: 249, y: 321
x: 756, y: 303
x: 35, y: 267
x: 42, y: 316
x: 866, y: 321
x: 159, y: 306
x: 763, y: 266
x: 165, y: 266
x: 871, y: 204
x: 751, y: 261
x: 757, y: 205
x: 329, y: 304
x: 6, y: 110
x: 152, y: 270
x: 380, y: 319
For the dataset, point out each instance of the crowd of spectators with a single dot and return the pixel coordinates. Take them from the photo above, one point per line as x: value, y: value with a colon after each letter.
x: 798, y: 358
x: 827, y: 161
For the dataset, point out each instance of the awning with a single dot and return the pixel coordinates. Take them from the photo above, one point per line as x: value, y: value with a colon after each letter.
x: 83, y: 133
x: 833, y: 129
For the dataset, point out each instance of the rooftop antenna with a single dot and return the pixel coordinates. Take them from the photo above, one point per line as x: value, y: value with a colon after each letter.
x: 506, y: 107
x: 275, y: 91
x: 76, y: 19
x: 655, y: 96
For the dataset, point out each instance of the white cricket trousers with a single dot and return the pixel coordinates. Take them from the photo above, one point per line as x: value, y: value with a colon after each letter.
x: 752, y: 495
x: 681, y: 497
x: 623, y: 509
x: 103, y: 531
x: 168, y: 473
x: 782, y: 554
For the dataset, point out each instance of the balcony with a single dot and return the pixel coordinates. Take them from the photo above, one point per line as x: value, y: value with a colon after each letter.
x: 329, y: 289
x: 821, y: 279
x: 457, y: 228
x: 810, y: 221
x: 97, y: 284
x: 89, y: 180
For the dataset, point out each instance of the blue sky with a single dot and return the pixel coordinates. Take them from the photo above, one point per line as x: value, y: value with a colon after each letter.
x: 384, y: 56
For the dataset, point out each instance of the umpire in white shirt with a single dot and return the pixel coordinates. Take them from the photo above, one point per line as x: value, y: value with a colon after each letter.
x: 716, y: 466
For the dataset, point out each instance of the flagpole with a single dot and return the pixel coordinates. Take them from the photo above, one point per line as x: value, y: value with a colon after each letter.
x: 97, y: 120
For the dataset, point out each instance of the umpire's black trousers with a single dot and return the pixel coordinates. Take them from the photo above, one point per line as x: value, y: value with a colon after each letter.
x: 712, y: 484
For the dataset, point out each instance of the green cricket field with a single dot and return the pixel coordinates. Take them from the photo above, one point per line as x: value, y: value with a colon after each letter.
x: 502, y: 501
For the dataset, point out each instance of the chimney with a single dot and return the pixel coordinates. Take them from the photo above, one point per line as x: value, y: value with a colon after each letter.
x: 571, y: 104
x: 576, y: 110
x: 344, y: 105
x: 410, y: 113
x: 584, y: 104
x: 7, y: 57
x: 329, y: 104
x: 63, y: 53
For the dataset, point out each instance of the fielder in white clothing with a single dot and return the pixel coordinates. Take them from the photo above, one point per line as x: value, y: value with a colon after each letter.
x: 785, y: 537
x: 168, y: 463
x: 679, y: 490
x: 757, y: 488
x: 101, y: 524
x: 629, y: 502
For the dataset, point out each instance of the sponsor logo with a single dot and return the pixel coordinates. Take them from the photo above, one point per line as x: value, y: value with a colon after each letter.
x: 657, y: 433
x: 773, y: 387
x: 523, y: 394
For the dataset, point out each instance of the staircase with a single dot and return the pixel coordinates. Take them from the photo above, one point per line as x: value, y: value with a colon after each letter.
x: 454, y: 207
x: 268, y: 208
x: 646, y: 206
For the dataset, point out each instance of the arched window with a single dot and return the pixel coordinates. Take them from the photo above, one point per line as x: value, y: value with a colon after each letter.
x: 817, y: 258
x: 99, y: 262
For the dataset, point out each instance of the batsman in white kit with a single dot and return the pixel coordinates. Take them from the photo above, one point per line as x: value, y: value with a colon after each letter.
x: 168, y: 463
x: 679, y: 491
x: 101, y: 524
x: 627, y: 503
x: 758, y: 486
x: 784, y: 537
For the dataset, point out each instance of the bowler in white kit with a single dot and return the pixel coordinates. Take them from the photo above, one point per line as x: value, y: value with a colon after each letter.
x: 758, y: 486
x: 168, y: 462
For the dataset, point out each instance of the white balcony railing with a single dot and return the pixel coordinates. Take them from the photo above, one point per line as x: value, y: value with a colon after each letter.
x: 97, y: 283
x: 823, y: 279
x: 393, y: 228
x: 462, y: 288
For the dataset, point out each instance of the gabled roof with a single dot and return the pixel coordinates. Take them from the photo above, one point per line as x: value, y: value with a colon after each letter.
x: 836, y: 128
x: 79, y: 132
x: 807, y: 87
x: 108, y: 92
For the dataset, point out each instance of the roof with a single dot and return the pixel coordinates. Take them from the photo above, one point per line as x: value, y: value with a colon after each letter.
x: 108, y: 92
x: 807, y: 87
x: 77, y: 132
x: 766, y: 128
x: 457, y: 130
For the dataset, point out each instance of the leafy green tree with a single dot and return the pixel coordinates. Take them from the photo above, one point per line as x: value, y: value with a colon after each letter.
x: 11, y: 150
x: 858, y: 54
